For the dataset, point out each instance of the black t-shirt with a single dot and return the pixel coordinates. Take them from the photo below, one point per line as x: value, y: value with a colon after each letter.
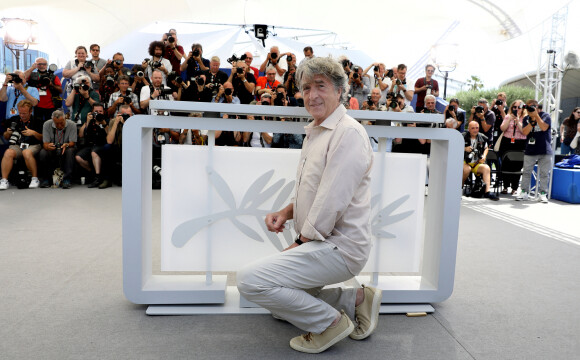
x: 193, y: 68
x: 193, y: 94
x: 220, y: 77
x: 240, y: 89
x: 33, y: 124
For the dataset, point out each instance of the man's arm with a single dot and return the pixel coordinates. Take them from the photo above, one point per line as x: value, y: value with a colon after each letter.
x: 275, y: 221
x: 112, y: 131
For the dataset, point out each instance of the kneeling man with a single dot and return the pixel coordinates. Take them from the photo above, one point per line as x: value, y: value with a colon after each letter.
x: 331, y: 211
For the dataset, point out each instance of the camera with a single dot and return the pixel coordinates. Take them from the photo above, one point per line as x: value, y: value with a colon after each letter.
x: 156, y: 64
x: 346, y: 62
x: 369, y: 100
x: 15, y: 78
x: 15, y: 137
x: 288, y: 57
x: 170, y: 38
x: 83, y: 86
x: 195, y: 52
x: 390, y: 73
x: 146, y: 60
x: 429, y: 86
x: 125, y: 116
x: 200, y: 81
x: 140, y: 74
x: 498, y: 102
x: 391, y: 95
x: 97, y: 117
x: 232, y: 59
x: 117, y: 62
x: 58, y: 146
x: 376, y: 68
x: 89, y: 65
x: 355, y: 75
x: 530, y: 108
x: 479, y: 109
x: 279, y: 100
x: 398, y: 82
x: 127, y: 98
x: 228, y: 91
x: 240, y: 70
x: 110, y: 81
x: 473, y: 155
x: 394, y: 103
x: 273, y: 56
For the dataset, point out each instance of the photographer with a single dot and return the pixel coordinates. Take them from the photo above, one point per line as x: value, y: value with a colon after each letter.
x: 12, y: 95
x: 274, y: 59
x: 118, y: 66
x: 108, y: 84
x: 139, y: 80
x: 195, y: 63
x: 59, y: 137
x: 537, y: 128
x: 78, y: 67
x: 173, y: 51
x: 177, y: 86
x: 123, y: 96
x: 98, y: 63
x: 290, y: 83
x: 225, y: 94
x: 452, y: 112
x: 430, y: 102
x: 24, y: 134
x: 426, y: 86
x: 112, y: 153
x: 259, y: 139
x: 244, y: 83
x: 484, y: 117
x: 156, y: 91
x: 280, y: 97
x: 94, y: 133
x: 359, y: 85
x: 399, y: 83
x: 248, y: 59
x: 397, y: 103
x: 197, y: 90
x: 157, y: 61
x: 81, y: 99
x: 498, y: 110
x: 379, y: 79
x: 268, y: 83
x: 49, y: 88
x: 372, y: 102
x: 474, y: 155
x: 214, y: 76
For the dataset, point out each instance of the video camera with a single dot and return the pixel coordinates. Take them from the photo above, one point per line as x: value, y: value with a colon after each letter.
x: 234, y: 58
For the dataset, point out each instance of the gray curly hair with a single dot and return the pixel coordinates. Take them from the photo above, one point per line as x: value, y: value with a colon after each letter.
x: 325, y: 66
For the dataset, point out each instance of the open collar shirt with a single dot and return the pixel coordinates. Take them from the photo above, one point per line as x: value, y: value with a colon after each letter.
x: 333, y: 194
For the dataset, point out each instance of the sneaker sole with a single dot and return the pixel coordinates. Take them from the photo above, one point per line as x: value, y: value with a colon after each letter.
x: 374, y: 316
x: 339, y: 337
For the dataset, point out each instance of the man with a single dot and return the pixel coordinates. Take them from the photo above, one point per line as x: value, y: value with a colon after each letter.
x: 498, y: 110
x: 118, y: 64
x: 399, y: 104
x: 59, y: 137
x: 252, y: 70
x: 198, y: 90
x: 475, y: 153
x: 290, y: 82
x: 399, y: 83
x: 268, y: 83
x: 430, y: 103
x: 157, y: 61
x: 225, y: 94
x: 157, y: 90
x: 48, y: 86
x: 331, y: 212
x: 536, y: 126
x: 426, y: 86
x: 123, y: 96
x: 81, y: 99
x: 195, y: 63
x: 452, y: 111
x: 12, y: 95
x: 372, y: 103
x: 379, y: 79
x: 359, y: 85
x: 484, y: 117
x: 98, y: 63
x: 94, y: 133
x: 274, y: 59
x: 24, y: 134
x: 308, y: 54
x: 244, y: 83
x: 173, y: 52
x: 214, y: 76
x: 113, y: 152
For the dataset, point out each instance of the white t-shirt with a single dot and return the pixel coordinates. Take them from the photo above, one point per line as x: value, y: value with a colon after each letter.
x: 255, y: 141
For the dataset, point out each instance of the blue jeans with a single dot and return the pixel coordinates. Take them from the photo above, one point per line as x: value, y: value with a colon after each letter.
x: 566, y: 149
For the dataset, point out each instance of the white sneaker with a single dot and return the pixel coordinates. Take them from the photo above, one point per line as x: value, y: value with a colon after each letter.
x: 4, y: 184
x: 34, y: 183
x: 523, y: 196
x: 543, y: 197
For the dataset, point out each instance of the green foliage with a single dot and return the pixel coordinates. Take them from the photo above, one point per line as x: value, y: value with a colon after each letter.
x: 474, y: 83
x: 467, y: 99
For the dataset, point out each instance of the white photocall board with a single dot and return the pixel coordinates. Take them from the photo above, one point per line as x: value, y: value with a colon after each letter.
x: 214, y: 201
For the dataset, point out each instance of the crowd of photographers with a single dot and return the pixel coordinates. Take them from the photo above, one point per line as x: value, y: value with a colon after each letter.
x: 85, y: 143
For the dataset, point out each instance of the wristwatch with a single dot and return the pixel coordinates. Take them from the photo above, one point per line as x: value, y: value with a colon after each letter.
x: 298, y: 241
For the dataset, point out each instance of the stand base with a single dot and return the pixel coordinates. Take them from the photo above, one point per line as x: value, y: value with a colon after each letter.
x: 232, y: 306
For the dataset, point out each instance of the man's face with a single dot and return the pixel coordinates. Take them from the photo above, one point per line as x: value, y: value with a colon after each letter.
x: 59, y: 123
x: 126, y: 111
x: 157, y: 79
x: 120, y: 58
x: 123, y: 85
x: 401, y: 74
x: 109, y: 71
x: 375, y: 95
x: 158, y: 51
x: 502, y: 98
x: 214, y: 66
x: 271, y: 75
x: 430, y: 104
x: 430, y: 71
x: 99, y: 110
x: 25, y: 113
x: 484, y: 104
x: 473, y: 128
x: 41, y: 64
x: 453, y: 106
x: 249, y: 58
x: 321, y: 98
x: 95, y: 51
x: 307, y: 53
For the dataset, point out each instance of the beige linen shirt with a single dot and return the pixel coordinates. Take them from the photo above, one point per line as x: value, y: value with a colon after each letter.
x: 333, y: 195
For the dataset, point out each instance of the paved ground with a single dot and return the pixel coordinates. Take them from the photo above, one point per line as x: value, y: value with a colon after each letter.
x: 61, y: 296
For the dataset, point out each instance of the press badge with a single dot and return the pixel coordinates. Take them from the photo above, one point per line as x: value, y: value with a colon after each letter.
x: 13, y: 112
x: 24, y: 146
x: 42, y: 92
x: 161, y: 138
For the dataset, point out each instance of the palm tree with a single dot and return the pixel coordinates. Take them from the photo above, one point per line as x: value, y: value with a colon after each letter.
x: 474, y: 83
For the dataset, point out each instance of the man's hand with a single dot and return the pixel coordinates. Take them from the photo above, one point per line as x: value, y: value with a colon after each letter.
x: 275, y: 221
x: 468, y: 149
x: 28, y: 132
